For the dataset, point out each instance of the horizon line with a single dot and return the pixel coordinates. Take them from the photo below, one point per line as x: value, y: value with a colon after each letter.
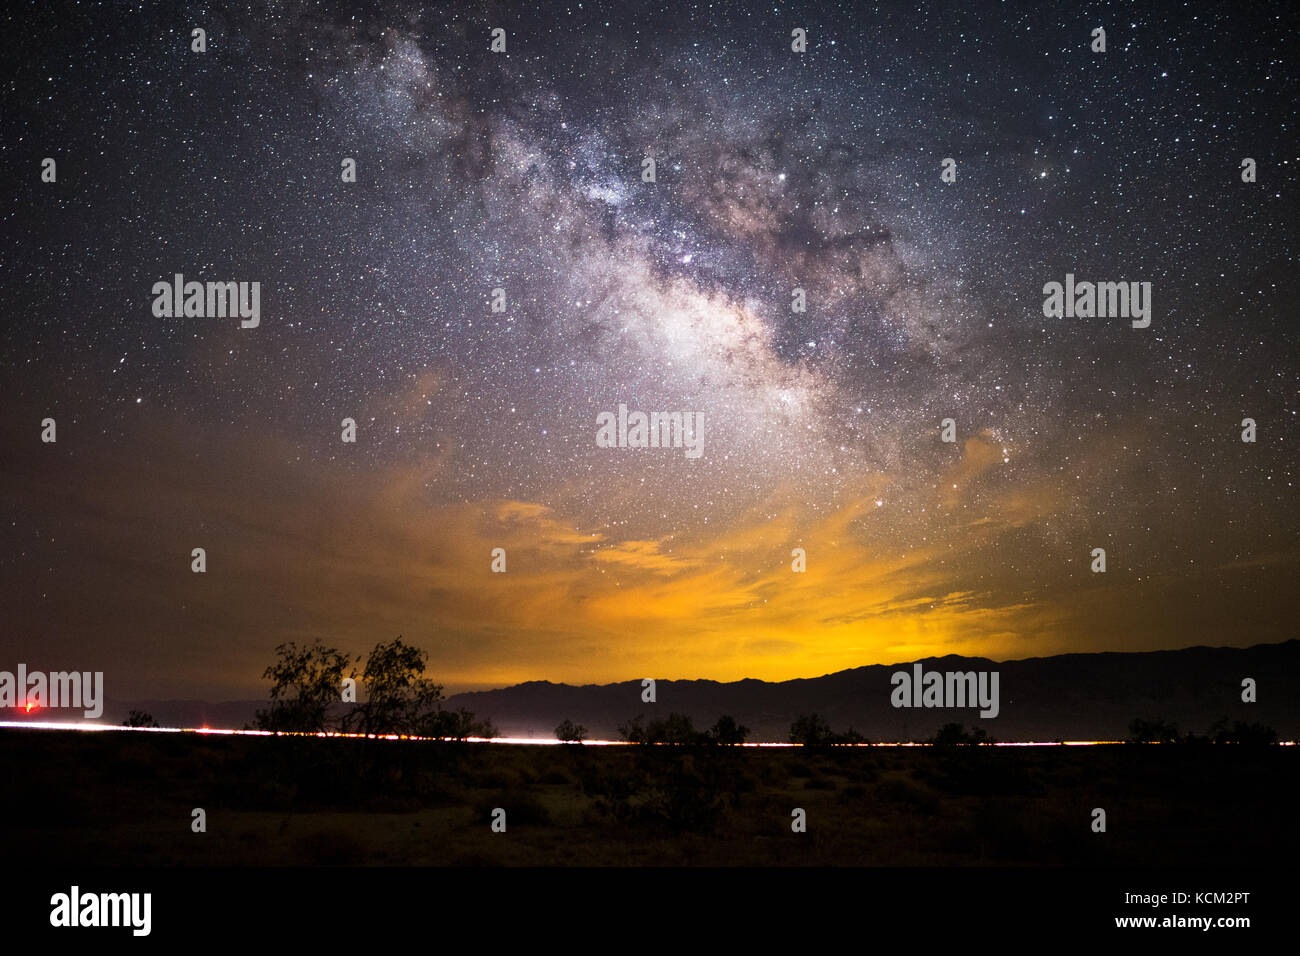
x: 760, y: 680
x: 526, y: 741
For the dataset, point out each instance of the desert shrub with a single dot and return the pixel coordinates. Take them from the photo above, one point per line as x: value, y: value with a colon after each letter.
x: 521, y: 807
x: 905, y: 794
x: 334, y: 847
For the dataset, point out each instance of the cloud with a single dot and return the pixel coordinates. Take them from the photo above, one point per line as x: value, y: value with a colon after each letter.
x: 642, y: 555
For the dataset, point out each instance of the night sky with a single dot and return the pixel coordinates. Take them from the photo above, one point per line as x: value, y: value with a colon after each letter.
x: 522, y: 170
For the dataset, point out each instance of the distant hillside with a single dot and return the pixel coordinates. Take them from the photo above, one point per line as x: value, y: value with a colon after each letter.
x: 223, y: 715
x: 1069, y: 697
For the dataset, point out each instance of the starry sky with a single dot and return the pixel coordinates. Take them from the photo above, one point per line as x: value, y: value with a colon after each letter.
x: 521, y: 170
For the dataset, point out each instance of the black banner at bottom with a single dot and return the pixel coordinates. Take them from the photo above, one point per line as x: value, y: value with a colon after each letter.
x: 654, y: 907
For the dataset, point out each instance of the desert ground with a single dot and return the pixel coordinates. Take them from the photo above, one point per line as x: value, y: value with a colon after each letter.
x: 119, y: 798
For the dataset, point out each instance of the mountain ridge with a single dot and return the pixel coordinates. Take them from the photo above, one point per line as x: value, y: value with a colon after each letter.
x: 1074, y: 696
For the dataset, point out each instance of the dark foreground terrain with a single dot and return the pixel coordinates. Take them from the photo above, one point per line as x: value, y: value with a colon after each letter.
x: 106, y: 798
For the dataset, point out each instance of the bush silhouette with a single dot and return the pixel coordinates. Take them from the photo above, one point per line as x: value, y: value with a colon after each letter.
x: 140, y: 718
x: 570, y: 733
x: 1142, y: 731
x: 954, y: 735
x: 675, y: 730
x: 811, y: 730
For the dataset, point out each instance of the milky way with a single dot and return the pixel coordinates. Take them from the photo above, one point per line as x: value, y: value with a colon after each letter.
x: 522, y: 170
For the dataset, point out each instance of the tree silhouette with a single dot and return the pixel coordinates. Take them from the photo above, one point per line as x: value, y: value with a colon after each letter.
x: 675, y: 729
x: 1248, y: 735
x: 633, y: 731
x: 811, y: 730
x: 456, y: 724
x: 307, y: 681
x: 850, y: 738
x: 399, y: 698
x: 727, y: 732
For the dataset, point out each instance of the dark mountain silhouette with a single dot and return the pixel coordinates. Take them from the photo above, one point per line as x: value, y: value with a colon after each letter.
x: 223, y: 715
x: 1068, y: 697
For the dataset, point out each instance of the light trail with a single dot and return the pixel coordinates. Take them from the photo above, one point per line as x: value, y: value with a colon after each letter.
x: 527, y: 741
